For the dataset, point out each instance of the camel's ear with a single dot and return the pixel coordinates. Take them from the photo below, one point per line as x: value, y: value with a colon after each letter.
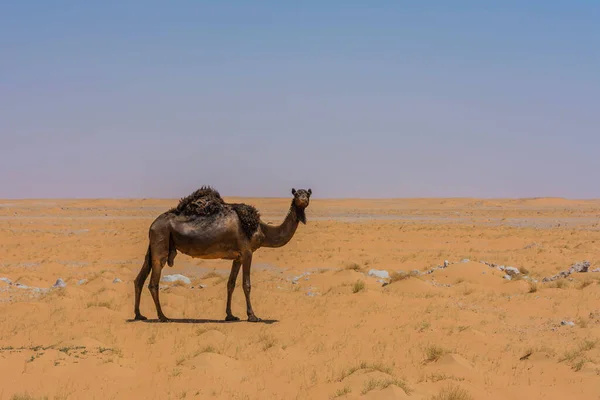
x: 293, y: 191
x: 309, y: 192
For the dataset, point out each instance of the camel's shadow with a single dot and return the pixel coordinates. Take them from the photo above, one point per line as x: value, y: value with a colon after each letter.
x: 201, y: 321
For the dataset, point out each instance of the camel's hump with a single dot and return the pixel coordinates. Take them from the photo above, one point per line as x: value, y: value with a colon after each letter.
x: 204, y: 198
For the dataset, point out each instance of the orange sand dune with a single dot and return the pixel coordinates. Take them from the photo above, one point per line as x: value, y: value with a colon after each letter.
x: 331, y: 330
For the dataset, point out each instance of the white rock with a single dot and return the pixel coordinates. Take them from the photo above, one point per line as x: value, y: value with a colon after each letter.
x: 81, y: 282
x: 567, y: 323
x: 117, y: 280
x: 512, y: 271
x: 383, y: 274
x: 507, y: 277
x: 6, y: 280
x: 175, y: 278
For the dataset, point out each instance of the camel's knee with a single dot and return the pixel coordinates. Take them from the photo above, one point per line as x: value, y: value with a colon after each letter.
x: 247, y: 287
x: 153, y: 287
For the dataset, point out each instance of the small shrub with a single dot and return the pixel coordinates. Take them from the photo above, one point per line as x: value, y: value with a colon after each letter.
x: 433, y: 353
x: 353, y: 267
x: 560, y: 284
x: 358, y: 286
x: 578, y: 366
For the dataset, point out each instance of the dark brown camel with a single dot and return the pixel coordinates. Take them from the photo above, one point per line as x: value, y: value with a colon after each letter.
x: 204, y: 226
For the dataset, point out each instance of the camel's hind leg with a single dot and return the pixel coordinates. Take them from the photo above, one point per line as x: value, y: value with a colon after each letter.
x: 159, y: 253
x: 139, y: 284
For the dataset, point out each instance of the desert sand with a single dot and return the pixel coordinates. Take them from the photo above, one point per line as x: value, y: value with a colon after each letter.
x: 331, y: 330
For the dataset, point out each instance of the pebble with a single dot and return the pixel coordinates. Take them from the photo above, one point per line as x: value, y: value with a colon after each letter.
x: 567, y: 323
x: 117, y: 280
x: 81, y: 282
x: 507, y: 277
x: 59, y: 284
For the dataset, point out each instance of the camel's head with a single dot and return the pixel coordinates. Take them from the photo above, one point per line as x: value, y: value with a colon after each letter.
x: 301, y: 201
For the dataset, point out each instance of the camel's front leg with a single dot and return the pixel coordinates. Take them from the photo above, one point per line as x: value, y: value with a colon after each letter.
x: 246, y: 264
x: 235, y: 269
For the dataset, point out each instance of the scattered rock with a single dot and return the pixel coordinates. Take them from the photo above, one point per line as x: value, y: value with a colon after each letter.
x: 117, y: 280
x: 446, y: 263
x: 415, y: 272
x: 59, y: 284
x: 507, y: 277
x: 175, y: 278
x: 81, y: 282
x: 466, y: 260
x: 512, y: 271
x: 6, y: 280
x: 383, y: 274
x: 595, y: 270
x: 297, y: 278
x: 581, y: 267
x: 567, y: 323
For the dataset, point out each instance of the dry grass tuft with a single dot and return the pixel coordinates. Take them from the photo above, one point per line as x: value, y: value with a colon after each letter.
x: 523, y: 271
x: 341, y: 392
x: 358, y: 286
x: 452, y: 393
x: 584, y: 284
x: 533, y: 286
x: 267, y: 341
x: 353, y: 267
x: 367, y: 367
x: 400, y: 276
x: 381, y: 384
x: 433, y: 353
x: 212, y: 274
x: 560, y: 284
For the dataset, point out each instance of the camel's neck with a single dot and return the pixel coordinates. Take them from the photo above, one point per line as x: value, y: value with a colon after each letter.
x: 277, y: 236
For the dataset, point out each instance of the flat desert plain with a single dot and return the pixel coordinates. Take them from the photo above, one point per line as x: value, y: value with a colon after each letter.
x: 330, y: 330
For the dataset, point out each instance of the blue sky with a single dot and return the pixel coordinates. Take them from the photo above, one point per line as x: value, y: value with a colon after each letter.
x: 352, y: 99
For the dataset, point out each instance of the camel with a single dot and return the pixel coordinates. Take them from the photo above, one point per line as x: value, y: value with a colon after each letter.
x: 204, y: 226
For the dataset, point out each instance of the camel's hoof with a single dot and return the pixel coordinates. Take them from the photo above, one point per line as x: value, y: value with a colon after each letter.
x: 254, y: 318
x: 231, y: 318
x: 162, y: 318
x: 140, y: 317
